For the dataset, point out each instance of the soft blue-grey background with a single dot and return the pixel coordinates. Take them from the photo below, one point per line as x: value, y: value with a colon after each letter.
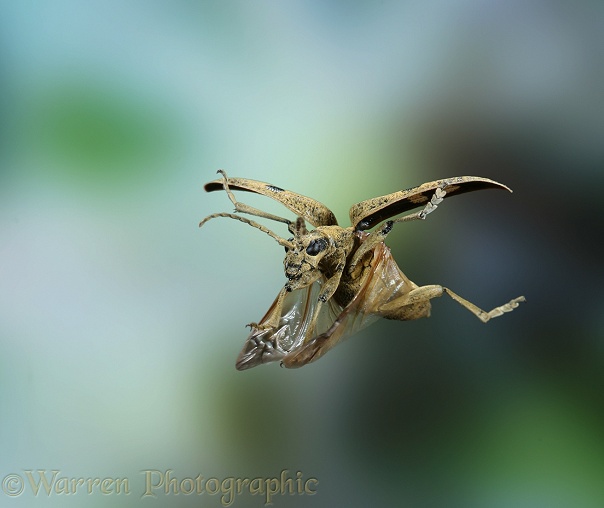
x: 120, y: 321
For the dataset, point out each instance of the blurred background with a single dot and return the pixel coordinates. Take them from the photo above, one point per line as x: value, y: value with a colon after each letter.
x: 120, y: 320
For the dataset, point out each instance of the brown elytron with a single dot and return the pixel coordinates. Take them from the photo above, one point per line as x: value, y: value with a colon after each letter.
x: 339, y: 280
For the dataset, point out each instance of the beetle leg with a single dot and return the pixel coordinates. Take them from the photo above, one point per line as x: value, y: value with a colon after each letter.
x: 243, y: 208
x: 329, y: 288
x: 379, y: 235
x: 374, y: 238
x: 273, y: 322
x: 481, y: 314
x: 437, y: 198
x: 412, y: 305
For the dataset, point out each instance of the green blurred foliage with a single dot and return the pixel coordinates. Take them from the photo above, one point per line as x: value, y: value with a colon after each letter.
x: 97, y: 135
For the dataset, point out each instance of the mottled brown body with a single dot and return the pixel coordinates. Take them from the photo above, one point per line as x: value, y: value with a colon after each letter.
x: 341, y: 279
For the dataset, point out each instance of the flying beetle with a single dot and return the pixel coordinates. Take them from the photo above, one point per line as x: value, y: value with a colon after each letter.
x: 340, y: 280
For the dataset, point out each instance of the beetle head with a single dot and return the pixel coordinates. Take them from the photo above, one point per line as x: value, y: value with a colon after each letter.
x: 302, y: 259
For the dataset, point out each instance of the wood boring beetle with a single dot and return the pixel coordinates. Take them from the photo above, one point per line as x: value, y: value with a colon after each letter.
x: 340, y: 280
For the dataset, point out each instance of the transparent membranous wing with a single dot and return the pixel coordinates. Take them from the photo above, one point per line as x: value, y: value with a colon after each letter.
x: 273, y: 344
x: 288, y: 342
x: 382, y: 283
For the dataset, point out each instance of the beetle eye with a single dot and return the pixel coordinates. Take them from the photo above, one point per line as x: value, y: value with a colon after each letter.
x: 315, y: 247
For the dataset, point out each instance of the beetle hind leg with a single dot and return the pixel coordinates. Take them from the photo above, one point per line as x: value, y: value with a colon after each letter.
x: 415, y: 304
x: 481, y: 314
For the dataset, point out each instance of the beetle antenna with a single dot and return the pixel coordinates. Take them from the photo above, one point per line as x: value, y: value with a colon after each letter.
x: 280, y: 241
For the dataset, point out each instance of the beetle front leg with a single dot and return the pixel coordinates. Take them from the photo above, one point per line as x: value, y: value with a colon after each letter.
x: 379, y: 235
x: 273, y: 322
x: 329, y: 288
x: 243, y: 208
